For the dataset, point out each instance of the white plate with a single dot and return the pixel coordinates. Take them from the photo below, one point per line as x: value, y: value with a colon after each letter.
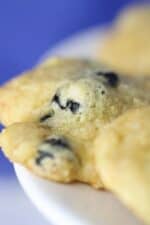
x: 75, y: 204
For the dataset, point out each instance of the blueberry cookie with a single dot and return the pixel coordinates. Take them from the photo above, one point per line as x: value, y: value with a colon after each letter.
x: 123, y: 159
x: 75, y: 97
x: 25, y: 97
x: 59, y: 107
x: 126, y: 47
x: 50, y: 154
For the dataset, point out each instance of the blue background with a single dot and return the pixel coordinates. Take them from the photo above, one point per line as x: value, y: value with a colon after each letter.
x: 29, y: 27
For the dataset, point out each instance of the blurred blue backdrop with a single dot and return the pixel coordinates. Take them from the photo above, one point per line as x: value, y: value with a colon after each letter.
x: 29, y: 27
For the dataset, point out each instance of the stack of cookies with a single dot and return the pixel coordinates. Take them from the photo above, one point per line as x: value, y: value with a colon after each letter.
x: 71, y: 120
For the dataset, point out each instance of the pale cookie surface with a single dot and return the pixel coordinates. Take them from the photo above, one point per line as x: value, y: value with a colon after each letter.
x: 59, y: 107
x: 50, y: 154
x: 70, y: 95
x: 123, y: 160
x: 127, y: 46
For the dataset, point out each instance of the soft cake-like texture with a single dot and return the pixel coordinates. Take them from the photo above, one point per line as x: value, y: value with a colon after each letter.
x: 25, y: 97
x: 126, y: 47
x: 122, y: 153
x: 50, y: 154
x: 59, y: 107
x: 70, y: 95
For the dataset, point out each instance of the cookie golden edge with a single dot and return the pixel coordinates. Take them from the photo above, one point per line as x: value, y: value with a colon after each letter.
x: 21, y: 143
x: 122, y: 159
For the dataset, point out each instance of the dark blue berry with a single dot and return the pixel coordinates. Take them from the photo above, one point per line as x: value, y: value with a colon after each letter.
x: 111, y: 78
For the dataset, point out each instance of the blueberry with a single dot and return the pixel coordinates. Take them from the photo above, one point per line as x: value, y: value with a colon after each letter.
x: 111, y: 78
x: 62, y: 143
x: 42, y: 155
x: 73, y: 106
x: 49, y: 147
x: 45, y: 117
x: 57, y: 100
x: 70, y: 104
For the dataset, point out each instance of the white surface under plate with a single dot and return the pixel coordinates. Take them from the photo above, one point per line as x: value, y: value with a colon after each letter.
x: 75, y: 204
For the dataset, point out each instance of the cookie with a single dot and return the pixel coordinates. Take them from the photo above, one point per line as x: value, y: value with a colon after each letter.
x: 123, y: 159
x: 70, y: 95
x: 55, y: 111
x: 50, y: 154
x: 126, y: 47
x: 23, y: 97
